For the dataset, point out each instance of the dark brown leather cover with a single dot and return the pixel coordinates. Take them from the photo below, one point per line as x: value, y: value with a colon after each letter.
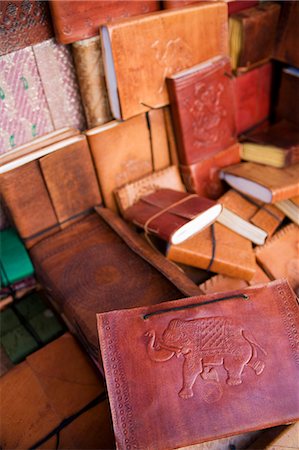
x: 287, y: 34
x: 202, y: 107
x: 148, y: 213
x: 99, y: 264
x: 288, y: 102
x: 259, y: 26
x: 78, y: 20
x: 203, y: 177
x: 198, y: 369
x: 252, y: 95
x: 23, y: 23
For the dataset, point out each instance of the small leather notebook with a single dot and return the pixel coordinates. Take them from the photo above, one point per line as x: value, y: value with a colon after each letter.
x: 217, y: 249
x: 159, y: 139
x: 52, y: 385
x: 78, y: 20
x: 122, y: 153
x: 288, y: 101
x: 168, y: 43
x: 265, y: 183
x: 203, y: 109
x: 279, y: 257
x: 131, y: 192
x: 222, y: 283
x: 173, y: 215
x: 252, y: 96
x: 287, y: 34
x: 252, y: 34
x: 198, y: 369
x: 23, y: 24
x: 99, y: 263
x: 203, y: 177
x: 278, y: 146
x: 290, y: 208
x: 91, y: 79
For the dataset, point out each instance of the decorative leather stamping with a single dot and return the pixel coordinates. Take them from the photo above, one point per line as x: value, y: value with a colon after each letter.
x: 205, y: 344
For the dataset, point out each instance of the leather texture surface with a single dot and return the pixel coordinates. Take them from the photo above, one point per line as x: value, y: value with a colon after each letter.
x: 203, y: 177
x: 168, y: 43
x: 81, y: 20
x: 252, y: 96
x: 203, y: 110
x: 23, y: 23
x: 226, y: 370
x: 288, y: 101
x: 99, y: 263
x: 235, y: 6
x: 159, y: 139
x: 287, y: 34
x: 233, y: 253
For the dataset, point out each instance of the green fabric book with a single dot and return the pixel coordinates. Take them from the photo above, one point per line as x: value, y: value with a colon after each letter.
x: 18, y: 344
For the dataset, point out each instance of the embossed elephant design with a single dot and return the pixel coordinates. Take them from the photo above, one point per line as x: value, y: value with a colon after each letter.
x: 206, y: 343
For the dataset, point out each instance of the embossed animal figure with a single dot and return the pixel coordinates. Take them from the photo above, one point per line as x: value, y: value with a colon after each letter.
x: 206, y: 343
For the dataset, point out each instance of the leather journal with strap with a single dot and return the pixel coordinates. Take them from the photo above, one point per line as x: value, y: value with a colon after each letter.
x: 202, y: 368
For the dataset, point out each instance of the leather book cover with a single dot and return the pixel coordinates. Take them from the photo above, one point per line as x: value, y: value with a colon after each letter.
x: 168, y: 44
x: 170, y: 136
x: 235, y: 6
x: 217, y: 249
x: 166, y: 213
x: 290, y: 208
x: 279, y: 257
x: 288, y: 100
x: 159, y: 139
x: 122, y: 153
x: 203, y: 177
x: 270, y: 184
x: 268, y: 218
x: 175, y: 4
x: 253, y: 33
x: 203, y: 109
x: 91, y: 79
x: 129, y: 194
x: 287, y: 34
x: 71, y: 180
x: 252, y: 96
x: 99, y: 263
x: 23, y: 24
x: 199, y: 369
x: 74, y: 21
x: 222, y: 283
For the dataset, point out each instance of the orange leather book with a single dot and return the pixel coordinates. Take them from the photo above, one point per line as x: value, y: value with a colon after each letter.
x: 203, y: 109
x: 170, y: 136
x: 174, y: 4
x: 173, y: 215
x: 268, y: 184
x: 222, y: 283
x: 159, y: 139
x: 167, y: 43
x: 203, y: 177
x: 78, y: 20
x: 279, y: 257
x: 290, y: 208
x: 202, y: 368
x: 122, y: 153
x: 221, y: 251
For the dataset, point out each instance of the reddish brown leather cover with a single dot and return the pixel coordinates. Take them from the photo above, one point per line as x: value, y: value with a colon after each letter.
x: 197, y: 369
x: 252, y: 95
x: 166, y: 223
x: 235, y: 6
x: 203, y: 177
x: 99, y: 263
x: 202, y: 107
x: 259, y: 26
x: 287, y: 34
x: 288, y: 101
x: 23, y: 23
x: 78, y: 20
x: 174, y: 4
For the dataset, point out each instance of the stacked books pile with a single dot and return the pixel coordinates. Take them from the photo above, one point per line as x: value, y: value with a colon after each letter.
x: 149, y: 165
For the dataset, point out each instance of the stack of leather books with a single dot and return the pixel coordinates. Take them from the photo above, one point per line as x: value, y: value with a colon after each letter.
x: 149, y: 165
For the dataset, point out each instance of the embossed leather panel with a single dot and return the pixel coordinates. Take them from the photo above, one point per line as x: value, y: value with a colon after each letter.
x: 252, y: 94
x: 168, y: 43
x: 92, y: 266
x: 78, y: 20
x: 203, y: 177
x: 192, y: 374
x: 202, y: 107
x: 23, y: 23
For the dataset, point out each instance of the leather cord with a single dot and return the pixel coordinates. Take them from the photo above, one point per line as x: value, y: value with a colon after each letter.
x: 213, y: 239
x: 250, y: 200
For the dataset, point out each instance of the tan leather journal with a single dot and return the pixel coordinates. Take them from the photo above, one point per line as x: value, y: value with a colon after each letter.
x: 202, y: 368
x: 164, y: 43
x: 159, y: 139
